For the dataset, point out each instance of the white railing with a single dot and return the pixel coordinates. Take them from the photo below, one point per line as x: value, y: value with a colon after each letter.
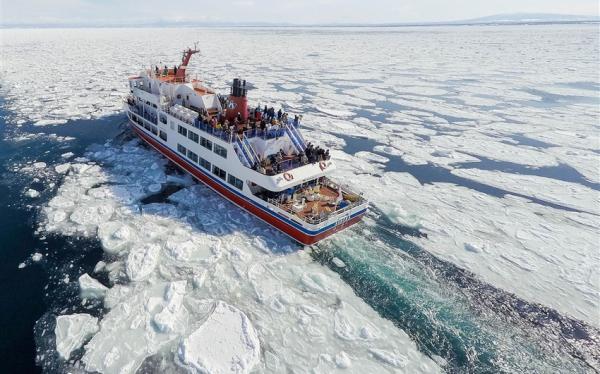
x: 318, y: 219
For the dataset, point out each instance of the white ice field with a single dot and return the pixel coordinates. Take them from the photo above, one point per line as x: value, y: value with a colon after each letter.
x: 526, y: 96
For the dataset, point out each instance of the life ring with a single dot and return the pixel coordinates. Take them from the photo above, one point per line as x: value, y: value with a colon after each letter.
x: 288, y: 177
x: 322, y: 165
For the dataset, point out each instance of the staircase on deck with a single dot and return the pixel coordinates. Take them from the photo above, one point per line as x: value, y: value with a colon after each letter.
x: 296, y: 138
x: 245, y: 152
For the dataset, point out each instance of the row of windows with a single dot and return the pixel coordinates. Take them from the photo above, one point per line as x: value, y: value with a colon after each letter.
x: 151, y: 128
x: 163, y: 135
x: 221, y: 151
x: 193, y: 156
x: 238, y: 183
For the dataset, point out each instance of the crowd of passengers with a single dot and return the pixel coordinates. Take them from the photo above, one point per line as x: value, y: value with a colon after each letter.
x: 281, y: 162
x: 270, y: 123
x: 263, y: 121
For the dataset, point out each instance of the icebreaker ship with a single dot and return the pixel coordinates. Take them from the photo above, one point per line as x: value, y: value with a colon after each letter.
x: 255, y: 157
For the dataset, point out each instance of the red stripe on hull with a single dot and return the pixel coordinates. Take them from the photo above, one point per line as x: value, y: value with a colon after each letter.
x: 287, y: 229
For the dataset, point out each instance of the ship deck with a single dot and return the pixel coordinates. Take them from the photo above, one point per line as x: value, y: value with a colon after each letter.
x: 318, y: 205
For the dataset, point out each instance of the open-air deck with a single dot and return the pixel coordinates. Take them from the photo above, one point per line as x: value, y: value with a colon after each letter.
x: 318, y: 202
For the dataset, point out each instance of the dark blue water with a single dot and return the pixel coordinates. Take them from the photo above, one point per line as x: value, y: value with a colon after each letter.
x: 38, y: 289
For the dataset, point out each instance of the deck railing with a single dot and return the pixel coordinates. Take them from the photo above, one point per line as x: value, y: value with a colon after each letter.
x: 324, y: 217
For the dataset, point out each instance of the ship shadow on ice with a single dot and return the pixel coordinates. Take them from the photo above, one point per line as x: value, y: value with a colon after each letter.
x: 188, y: 201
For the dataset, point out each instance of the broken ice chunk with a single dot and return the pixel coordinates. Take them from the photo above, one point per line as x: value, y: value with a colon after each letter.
x: 72, y: 331
x: 225, y: 343
x: 90, y: 288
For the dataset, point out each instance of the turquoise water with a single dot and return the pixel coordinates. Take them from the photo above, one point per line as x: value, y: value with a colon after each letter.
x: 441, y: 307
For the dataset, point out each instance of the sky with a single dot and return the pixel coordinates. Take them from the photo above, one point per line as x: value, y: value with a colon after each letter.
x: 274, y: 11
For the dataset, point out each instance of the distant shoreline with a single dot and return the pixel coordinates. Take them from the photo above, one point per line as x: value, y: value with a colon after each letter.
x: 266, y: 25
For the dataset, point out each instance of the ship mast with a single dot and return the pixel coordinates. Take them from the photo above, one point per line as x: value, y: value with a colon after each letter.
x: 187, y: 55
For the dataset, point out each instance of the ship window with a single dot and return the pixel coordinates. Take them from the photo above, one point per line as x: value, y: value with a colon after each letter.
x: 206, y: 143
x: 154, y: 130
x: 220, y: 151
x: 238, y: 183
x: 182, y: 130
x: 193, y: 136
x: 192, y: 156
x: 181, y: 149
x: 219, y: 172
x: 205, y: 164
x: 163, y: 135
x: 163, y: 118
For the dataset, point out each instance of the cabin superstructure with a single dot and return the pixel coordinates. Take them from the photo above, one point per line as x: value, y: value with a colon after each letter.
x: 254, y: 156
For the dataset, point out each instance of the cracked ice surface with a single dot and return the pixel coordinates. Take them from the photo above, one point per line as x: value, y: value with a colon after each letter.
x: 540, y: 253
x: 209, y: 285
x: 72, y: 331
x: 439, y: 96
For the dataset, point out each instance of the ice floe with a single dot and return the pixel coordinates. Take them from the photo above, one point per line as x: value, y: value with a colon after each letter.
x: 90, y: 288
x: 32, y: 193
x: 444, y: 100
x: 72, y: 331
x: 549, y: 251
x: 179, y: 279
x: 226, y: 342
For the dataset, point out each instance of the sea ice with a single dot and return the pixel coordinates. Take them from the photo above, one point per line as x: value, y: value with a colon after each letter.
x: 226, y: 342
x: 72, y: 331
x: 142, y: 260
x: 226, y: 255
x: 32, y: 193
x: 432, y: 105
x: 90, y: 288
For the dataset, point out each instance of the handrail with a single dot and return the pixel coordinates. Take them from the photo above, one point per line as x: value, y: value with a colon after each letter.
x: 297, y: 134
x: 243, y: 151
x: 249, y: 146
x: 317, y: 220
x: 295, y: 141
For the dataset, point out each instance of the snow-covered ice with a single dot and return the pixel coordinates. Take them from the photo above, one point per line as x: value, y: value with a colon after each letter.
x: 90, y: 288
x: 176, y: 267
x: 72, y: 331
x: 32, y: 193
x: 431, y: 97
x: 226, y: 342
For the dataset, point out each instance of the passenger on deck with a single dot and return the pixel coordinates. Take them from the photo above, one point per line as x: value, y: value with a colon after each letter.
x: 175, y: 70
x: 279, y: 114
x: 296, y: 121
